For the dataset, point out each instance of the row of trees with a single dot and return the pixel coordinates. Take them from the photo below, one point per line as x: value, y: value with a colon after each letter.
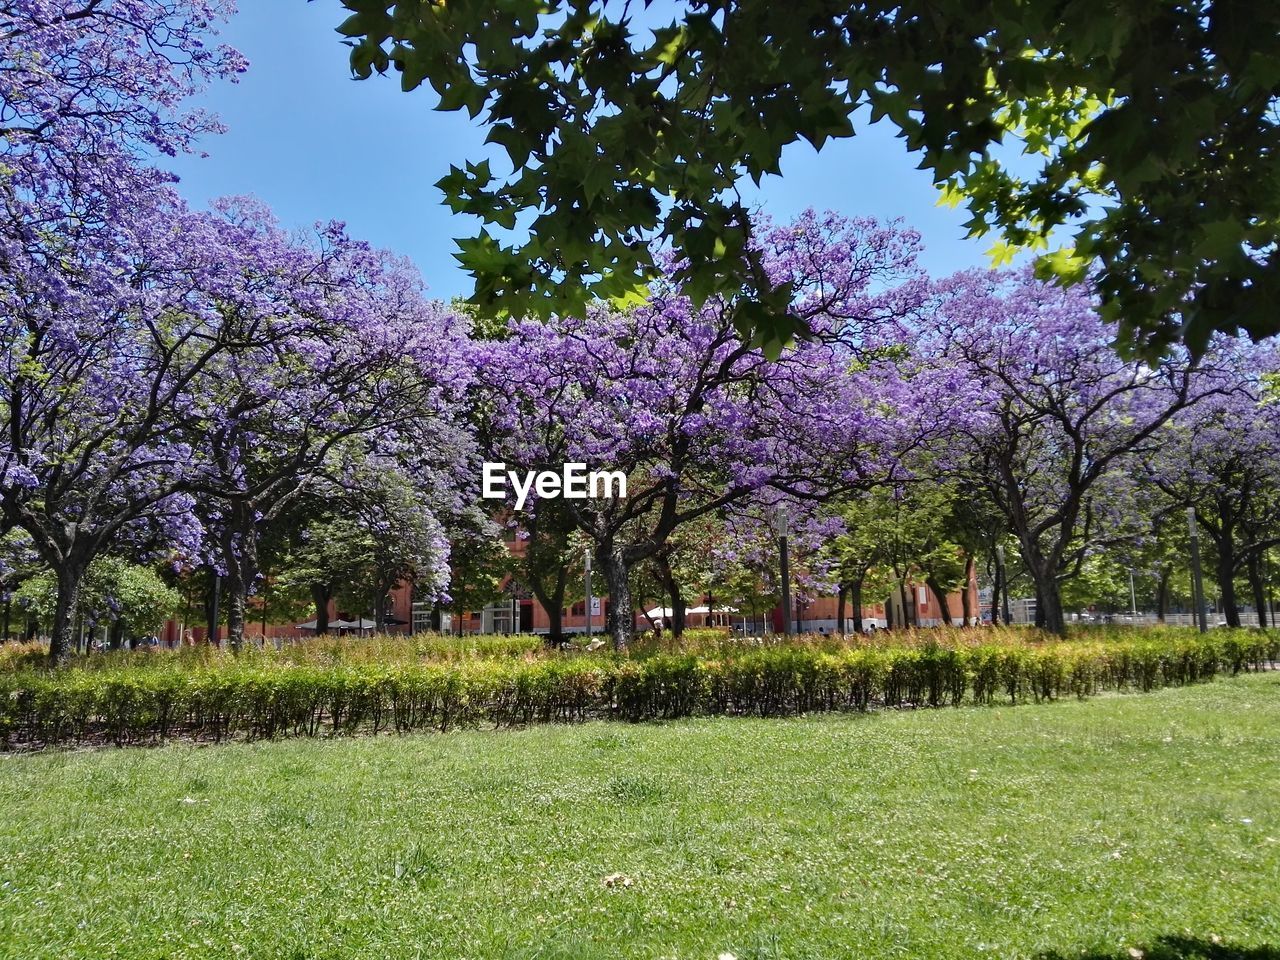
x: 273, y: 416
x: 175, y: 383
x: 921, y: 425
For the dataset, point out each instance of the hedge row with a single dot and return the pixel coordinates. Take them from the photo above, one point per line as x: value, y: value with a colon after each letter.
x: 319, y: 651
x: 269, y: 699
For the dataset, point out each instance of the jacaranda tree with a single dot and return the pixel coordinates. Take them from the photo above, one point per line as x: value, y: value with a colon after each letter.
x: 1221, y: 458
x: 1060, y: 410
x: 160, y: 360
x: 672, y: 395
x: 103, y: 292
x: 333, y: 341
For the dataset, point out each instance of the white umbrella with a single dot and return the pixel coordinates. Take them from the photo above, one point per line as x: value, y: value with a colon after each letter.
x: 665, y: 612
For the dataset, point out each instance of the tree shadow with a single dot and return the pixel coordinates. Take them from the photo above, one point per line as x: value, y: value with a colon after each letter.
x: 1176, y: 947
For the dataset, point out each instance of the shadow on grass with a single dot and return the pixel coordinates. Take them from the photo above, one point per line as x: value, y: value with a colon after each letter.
x: 1177, y: 947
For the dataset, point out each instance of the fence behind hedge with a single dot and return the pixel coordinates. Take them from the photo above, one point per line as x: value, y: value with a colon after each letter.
x: 259, y: 698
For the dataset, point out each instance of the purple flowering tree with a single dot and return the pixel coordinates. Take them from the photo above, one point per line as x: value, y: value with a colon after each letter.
x: 1061, y: 410
x: 94, y: 76
x: 356, y: 540
x: 156, y: 357
x: 99, y: 264
x: 1221, y: 458
x: 100, y: 350
x: 332, y: 342
x: 697, y: 417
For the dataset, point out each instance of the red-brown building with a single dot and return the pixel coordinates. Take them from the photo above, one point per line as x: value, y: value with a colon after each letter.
x: 526, y: 615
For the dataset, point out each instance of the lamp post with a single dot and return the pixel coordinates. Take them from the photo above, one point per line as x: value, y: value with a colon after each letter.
x: 588, y: 590
x: 784, y: 566
x: 1133, y: 597
x: 1197, y: 585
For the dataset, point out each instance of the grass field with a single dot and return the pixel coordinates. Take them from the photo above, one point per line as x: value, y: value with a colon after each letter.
x: 1112, y: 828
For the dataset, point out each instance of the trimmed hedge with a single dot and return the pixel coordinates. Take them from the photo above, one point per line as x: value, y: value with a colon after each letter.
x: 259, y: 697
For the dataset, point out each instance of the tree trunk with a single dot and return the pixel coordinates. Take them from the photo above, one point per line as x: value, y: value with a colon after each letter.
x: 1049, y: 616
x: 556, y: 616
x: 841, y: 592
x: 1226, y: 576
x: 234, y: 597
x: 856, y: 601
x: 62, y: 633
x: 1054, y: 621
x: 115, y: 636
x: 679, y: 608
x: 908, y: 615
x: 240, y: 554
x: 1162, y: 593
x: 621, y: 619
x: 942, y: 601
x: 1253, y: 569
x: 321, y: 594
x: 679, y: 613
x: 236, y: 602
x: 552, y: 602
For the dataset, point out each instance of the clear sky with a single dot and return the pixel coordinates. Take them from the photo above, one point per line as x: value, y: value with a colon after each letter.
x: 316, y: 145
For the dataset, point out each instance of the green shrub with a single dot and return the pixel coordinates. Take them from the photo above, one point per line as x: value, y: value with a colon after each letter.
x: 440, y: 683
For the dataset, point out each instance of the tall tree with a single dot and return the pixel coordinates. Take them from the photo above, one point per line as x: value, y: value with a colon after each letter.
x: 101, y: 350
x: 338, y: 344
x: 102, y: 317
x: 1062, y: 409
x: 1221, y: 459
x: 356, y: 539
x: 672, y: 396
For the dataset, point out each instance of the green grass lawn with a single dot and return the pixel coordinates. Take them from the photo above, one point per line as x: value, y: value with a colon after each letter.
x: 1145, y: 822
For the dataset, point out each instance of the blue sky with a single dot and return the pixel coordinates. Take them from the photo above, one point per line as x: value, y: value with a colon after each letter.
x: 317, y: 145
